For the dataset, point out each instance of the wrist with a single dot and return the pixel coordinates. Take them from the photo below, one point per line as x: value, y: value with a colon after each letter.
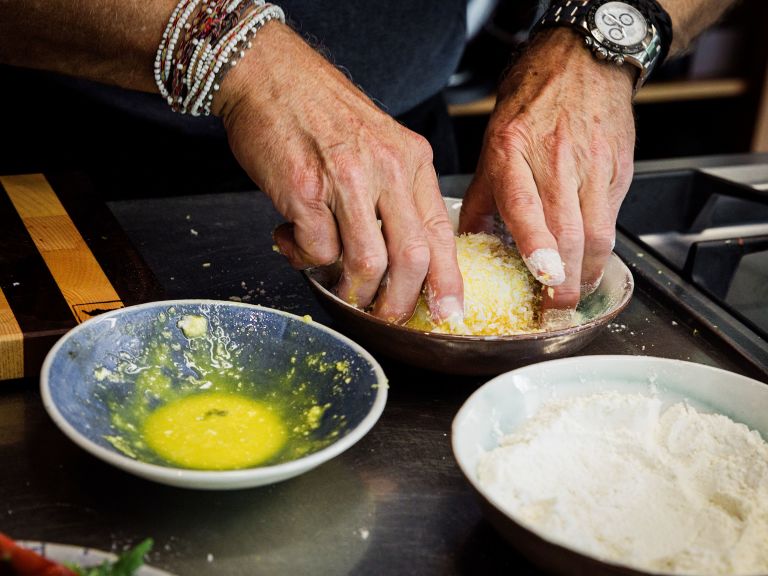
x: 255, y: 68
x: 562, y: 50
x: 634, y: 33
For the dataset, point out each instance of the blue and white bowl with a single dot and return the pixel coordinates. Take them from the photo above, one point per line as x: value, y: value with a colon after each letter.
x: 88, y: 373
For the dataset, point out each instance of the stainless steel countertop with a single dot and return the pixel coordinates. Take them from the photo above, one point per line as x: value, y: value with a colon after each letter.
x: 395, y: 503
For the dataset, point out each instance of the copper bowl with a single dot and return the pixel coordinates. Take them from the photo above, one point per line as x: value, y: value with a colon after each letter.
x: 476, y: 355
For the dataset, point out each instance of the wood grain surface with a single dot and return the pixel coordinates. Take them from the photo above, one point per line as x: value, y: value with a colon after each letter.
x: 63, y: 260
x: 11, y: 343
x: 69, y: 259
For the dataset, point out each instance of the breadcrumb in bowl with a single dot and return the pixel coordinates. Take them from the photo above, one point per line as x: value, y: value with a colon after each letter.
x: 501, y: 297
x: 490, y: 342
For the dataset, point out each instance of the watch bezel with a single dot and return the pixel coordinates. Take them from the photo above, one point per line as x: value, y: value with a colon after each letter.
x: 590, y: 24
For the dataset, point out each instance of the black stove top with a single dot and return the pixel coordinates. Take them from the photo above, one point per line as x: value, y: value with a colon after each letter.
x: 700, y: 236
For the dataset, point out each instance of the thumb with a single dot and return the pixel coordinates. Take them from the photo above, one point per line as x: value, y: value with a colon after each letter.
x: 478, y: 210
x: 288, y: 241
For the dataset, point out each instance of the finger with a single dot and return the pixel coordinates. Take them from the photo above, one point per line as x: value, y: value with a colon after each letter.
x: 305, y: 247
x: 517, y: 198
x: 444, y: 285
x: 364, y: 259
x: 599, y: 218
x: 407, y: 250
x: 560, y: 200
x: 478, y: 207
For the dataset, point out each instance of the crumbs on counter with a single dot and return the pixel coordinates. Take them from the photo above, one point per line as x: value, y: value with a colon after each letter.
x: 276, y: 296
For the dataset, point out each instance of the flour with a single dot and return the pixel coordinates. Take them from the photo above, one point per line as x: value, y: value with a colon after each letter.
x: 619, y: 477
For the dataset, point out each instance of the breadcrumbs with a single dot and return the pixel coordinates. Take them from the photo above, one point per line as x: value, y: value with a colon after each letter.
x: 501, y: 297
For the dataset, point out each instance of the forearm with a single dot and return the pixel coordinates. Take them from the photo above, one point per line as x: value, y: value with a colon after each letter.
x: 112, y: 41
x: 691, y: 17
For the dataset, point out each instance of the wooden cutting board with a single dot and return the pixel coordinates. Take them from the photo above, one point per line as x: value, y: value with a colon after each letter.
x: 63, y: 259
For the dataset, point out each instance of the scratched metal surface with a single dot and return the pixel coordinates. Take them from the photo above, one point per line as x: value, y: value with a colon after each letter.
x: 395, y: 503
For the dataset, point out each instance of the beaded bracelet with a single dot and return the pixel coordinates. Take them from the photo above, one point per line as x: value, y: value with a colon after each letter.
x: 220, y: 62
x: 203, y: 40
x: 164, y: 57
x: 199, y: 31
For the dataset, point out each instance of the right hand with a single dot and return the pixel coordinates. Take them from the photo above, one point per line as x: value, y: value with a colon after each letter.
x: 333, y: 163
x: 556, y: 164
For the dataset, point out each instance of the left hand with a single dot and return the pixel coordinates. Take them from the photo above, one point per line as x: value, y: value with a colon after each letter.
x: 557, y: 161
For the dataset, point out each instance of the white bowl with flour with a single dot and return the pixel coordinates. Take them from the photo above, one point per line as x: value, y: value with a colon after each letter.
x: 623, y: 465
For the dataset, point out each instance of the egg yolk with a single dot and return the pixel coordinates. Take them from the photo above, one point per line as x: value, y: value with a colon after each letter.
x: 215, y: 431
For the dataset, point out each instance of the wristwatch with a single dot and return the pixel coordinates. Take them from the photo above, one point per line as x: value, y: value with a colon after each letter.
x: 638, y: 32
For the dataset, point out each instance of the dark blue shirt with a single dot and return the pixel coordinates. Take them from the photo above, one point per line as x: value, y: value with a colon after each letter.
x: 399, y: 53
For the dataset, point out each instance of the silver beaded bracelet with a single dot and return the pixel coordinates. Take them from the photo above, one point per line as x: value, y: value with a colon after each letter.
x: 201, y: 43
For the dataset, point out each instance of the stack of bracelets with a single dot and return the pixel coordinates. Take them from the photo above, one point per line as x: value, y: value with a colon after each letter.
x: 203, y: 40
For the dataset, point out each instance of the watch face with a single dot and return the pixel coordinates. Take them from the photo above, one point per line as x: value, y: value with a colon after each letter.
x: 620, y: 24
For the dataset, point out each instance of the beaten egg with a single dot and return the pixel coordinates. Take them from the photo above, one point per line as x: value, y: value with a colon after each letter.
x: 207, y: 406
x: 215, y: 431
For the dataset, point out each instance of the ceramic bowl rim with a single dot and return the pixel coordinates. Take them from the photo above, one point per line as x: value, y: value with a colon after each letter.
x: 171, y: 474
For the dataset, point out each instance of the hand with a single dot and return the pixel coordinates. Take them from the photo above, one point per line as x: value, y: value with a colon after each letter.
x: 333, y: 163
x: 557, y: 162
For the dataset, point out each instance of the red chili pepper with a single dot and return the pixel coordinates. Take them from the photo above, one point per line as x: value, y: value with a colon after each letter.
x: 25, y: 562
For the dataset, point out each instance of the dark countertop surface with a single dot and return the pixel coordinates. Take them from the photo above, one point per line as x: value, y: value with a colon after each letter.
x: 395, y: 503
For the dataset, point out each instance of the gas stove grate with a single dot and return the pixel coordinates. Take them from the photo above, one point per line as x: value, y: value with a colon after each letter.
x: 701, y: 236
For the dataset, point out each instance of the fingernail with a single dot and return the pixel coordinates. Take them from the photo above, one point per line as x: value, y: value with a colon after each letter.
x: 588, y: 287
x: 345, y: 289
x: 449, y: 309
x: 557, y: 318
x: 546, y: 266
